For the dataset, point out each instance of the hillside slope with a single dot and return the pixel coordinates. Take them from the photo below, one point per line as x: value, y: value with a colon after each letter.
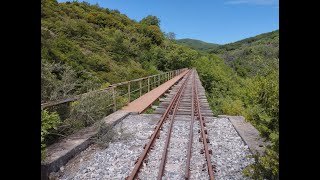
x: 197, y: 44
x: 264, y: 38
x: 85, y: 47
x: 250, y: 55
x: 242, y: 79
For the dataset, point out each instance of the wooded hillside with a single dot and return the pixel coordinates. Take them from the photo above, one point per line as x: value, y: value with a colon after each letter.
x: 85, y: 47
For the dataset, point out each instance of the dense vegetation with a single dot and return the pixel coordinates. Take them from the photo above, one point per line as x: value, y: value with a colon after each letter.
x: 242, y: 78
x: 197, y: 44
x: 85, y: 47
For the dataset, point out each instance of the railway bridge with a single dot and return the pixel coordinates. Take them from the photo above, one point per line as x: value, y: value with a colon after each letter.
x: 179, y: 137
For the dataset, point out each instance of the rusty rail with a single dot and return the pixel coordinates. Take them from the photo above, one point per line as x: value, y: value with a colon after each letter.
x: 170, y: 114
x: 187, y: 171
x: 203, y: 132
x: 173, y: 111
x: 148, y: 146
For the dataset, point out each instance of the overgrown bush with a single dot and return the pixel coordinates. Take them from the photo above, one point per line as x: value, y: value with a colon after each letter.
x: 233, y: 108
x: 49, y: 121
x: 90, y: 108
x: 265, y: 167
x: 104, y: 136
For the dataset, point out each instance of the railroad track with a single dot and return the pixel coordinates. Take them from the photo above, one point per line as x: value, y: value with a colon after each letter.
x: 178, y: 147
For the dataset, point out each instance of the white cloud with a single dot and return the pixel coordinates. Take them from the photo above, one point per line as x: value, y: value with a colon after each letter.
x: 257, y: 2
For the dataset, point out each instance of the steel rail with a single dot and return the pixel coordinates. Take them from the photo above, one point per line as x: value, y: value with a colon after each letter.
x: 147, y: 148
x: 203, y: 134
x: 174, y: 111
x: 187, y: 171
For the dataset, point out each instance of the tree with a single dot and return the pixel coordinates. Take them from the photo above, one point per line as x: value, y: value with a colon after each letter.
x: 171, y: 35
x: 151, y: 20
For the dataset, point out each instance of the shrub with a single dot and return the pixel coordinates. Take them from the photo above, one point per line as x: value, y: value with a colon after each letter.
x: 48, y: 121
x: 104, y: 136
x: 265, y: 167
x: 90, y: 108
x: 233, y: 108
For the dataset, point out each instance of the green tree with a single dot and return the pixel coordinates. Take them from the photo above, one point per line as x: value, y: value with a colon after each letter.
x: 171, y: 35
x: 151, y: 20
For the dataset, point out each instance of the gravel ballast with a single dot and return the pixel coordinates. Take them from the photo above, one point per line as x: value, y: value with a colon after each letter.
x: 117, y: 160
x: 230, y: 155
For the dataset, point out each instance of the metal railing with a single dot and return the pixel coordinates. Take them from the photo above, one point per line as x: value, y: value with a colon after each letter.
x: 129, y: 90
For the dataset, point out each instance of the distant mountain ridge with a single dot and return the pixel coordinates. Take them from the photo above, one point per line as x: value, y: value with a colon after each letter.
x: 266, y: 39
x: 249, y: 56
x: 197, y: 44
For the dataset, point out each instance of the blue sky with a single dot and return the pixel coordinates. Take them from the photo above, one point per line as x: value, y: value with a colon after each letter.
x: 215, y: 21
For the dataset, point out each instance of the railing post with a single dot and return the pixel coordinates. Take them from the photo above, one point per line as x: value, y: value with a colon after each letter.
x: 140, y: 87
x: 114, y: 98
x: 159, y: 80
x: 148, y: 83
x: 128, y: 92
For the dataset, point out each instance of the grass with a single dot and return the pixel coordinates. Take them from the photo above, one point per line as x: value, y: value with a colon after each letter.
x: 151, y: 110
